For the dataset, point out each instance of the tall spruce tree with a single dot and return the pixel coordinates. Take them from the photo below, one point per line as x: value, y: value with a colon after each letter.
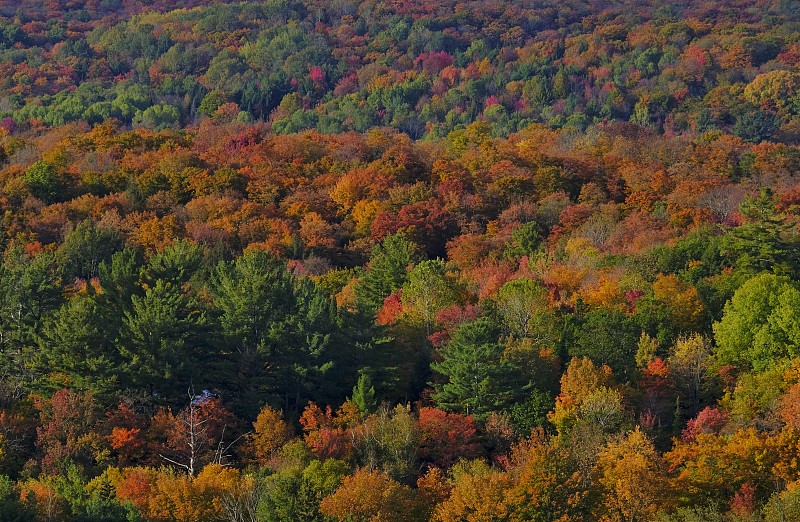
x: 364, y: 395
x: 766, y: 241
x: 29, y: 291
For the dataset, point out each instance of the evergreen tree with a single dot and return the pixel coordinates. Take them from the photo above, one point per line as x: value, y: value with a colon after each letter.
x: 766, y: 241
x: 306, y: 355
x: 477, y: 380
x: 29, y: 291
x: 386, y: 272
x: 163, y: 341
x: 119, y: 281
x: 251, y: 295
x: 278, y: 333
x: 364, y: 395
x: 76, y: 349
x: 176, y: 264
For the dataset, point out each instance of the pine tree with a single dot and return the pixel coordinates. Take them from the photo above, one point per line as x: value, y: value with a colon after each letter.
x: 766, y: 241
x: 386, y: 272
x: 164, y: 339
x: 76, y: 349
x: 119, y: 281
x: 176, y: 264
x: 477, y: 378
x: 278, y: 333
x: 29, y: 291
x: 364, y: 395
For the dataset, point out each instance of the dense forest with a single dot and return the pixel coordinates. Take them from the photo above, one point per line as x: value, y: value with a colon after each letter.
x: 401, y: 260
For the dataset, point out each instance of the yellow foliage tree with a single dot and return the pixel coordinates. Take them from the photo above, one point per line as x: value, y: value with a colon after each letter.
x: 632, y: 479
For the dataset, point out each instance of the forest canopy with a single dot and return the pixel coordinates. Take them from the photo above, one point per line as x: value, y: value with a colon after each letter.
x: 400, y: 260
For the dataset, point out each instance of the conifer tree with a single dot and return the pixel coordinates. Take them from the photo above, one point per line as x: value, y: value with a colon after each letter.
x: 76, y: 349
x: 386, y: 272
x: 364, y: 395
x: 476, y: 377
x: 766, y: 241
x: 164, y: 339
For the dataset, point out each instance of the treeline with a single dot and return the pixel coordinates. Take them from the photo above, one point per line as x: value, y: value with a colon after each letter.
x: 423, y: 68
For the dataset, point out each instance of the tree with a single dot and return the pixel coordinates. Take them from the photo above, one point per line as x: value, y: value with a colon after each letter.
x: 756, y: 126
x: 690, y: 364
x: 12, y: 509
x: 588, y: 395
x: 428, y: 290
x: 196, y: 436
x: 603, y: 408
x: 759, y: 323
x: 682, y: 301
x: 371, y: 496
x: 548, y: 484
x: 364, y: 395
x: 66, y: 422
x: 523, y: 305
x: 163, y: 342
x: 477, y: 495
x: 524, y: 241
x: 277, y: 330
x: 29, y: 292
x: 85, y: 248
x: 270, y: 433
x: 295, y: 492
x: 158, y: 117
x: 175, y: 264
x: 45, y: 182
x: 386, y: 271
x: 632, y: 479
x: 389, y: 440
x: 447, y: 437
x: 765, y: 241
x: 77, y: 349
x: 783, y: 506
x: 119, y: 279
x: 252, y: 296
x: 476, y: 376
x: 608, y: 337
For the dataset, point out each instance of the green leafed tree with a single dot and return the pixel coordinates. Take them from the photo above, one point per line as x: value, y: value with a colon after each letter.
x: 85, y: 248
x: 427, y: 291
x: 759, y: 325
x: 608, y: 337
x: 45, y: 182
x: 523, y: 306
